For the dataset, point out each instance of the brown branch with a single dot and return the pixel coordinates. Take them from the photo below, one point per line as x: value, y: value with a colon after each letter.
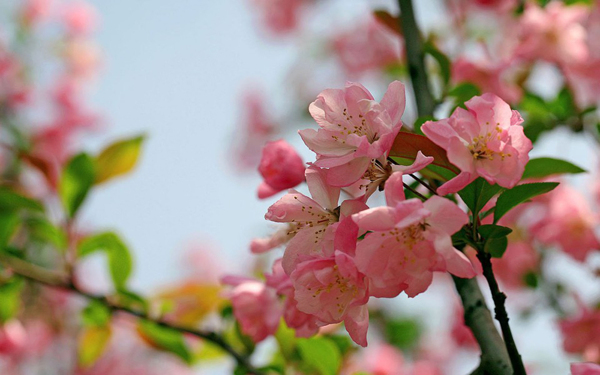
x: 58, y: 280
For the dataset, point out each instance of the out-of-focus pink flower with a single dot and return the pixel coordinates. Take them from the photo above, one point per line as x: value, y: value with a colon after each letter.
x: 497, y: 5
x: 313, y: 221
x: 333, y: 290
x: 567, y: 220
x: 82, y: 58
x: 255, y: 306
x: 14, y: 91
x: 280, y: 16
x: 585, y: 369
x: 354, y: 129
x: 485, y: 140
x: 281, y: 168
x: 581, y: 333
x: 305, y: 325
x: 13, y: 338
x: 255, y: 130
x: 278, y: 238
x: 34, y: 11
x: 409, y: 239
x: 519, y: 259
x: 460, y: 333
x: 80, y: 17
x: 426, y: 368
x: 554, y: 33
x: 368, y: 46
x: 488, y: 76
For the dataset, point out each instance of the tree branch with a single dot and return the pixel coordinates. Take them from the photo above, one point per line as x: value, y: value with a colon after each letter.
x: 494, y: 357
x: 500, y: 311
x: 58, y: 280
x: 416, y: 59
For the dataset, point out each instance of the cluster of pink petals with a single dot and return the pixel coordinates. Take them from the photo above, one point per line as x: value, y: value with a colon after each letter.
x: 281, y: 168
x: 487, y: 76
x: 408, y: 241
x: 280, y: 16
x: 79, y: 17
x: 581, y: 333
x: 519, y: 260
x: 369, y: 46
x: 566, y: 219
x: 486, y: 140
x: 554, y: 33
x: 255, y: 306
x: 585, y: 369
x: 255, y: 130
x: 354, y: 129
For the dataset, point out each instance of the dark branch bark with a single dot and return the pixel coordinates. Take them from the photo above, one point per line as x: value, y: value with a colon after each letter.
x: 57, y: 280
x: 501, y: 314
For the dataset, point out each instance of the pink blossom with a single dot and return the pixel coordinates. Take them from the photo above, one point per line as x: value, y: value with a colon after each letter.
x: 304, y: 325
x: 488, y: 76
x: 519, y: 259
x: 278, y: 238
x: 567, y: 220
x: 554, y: 33
x: 581, y: 333
x: 497, y: 5
x: 255, y: 130
x: 354, y: 129
x: 280, y: 16
x: 585, y: 369
x: 486, y: 140
x: 34, y: 11
x: 313, y: 220
x: 281, y: 168
x: 333, y: 290
x: 368, y: 46
x: 255, y: 306
x: 460, y: 333
x: 409, y: 239
x: 79, y: 17
x: 13, y: 338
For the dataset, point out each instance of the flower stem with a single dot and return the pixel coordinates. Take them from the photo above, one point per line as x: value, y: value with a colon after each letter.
x: 54, y: 279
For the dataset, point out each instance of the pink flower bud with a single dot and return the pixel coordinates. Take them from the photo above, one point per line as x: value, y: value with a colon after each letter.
x: 281, y: 167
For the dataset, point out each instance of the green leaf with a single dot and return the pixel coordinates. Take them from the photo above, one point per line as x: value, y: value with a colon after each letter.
x: 132, y: 300
x: 496, y: 246
x: 477, y: 194
x: 495, y: 240
x: 9, y: 221
x: 531, y: 279
x: 91, y: 344
x: 419, y: 122
x: 96, y: 314
x: 462, y: 93
x: 117, y: 159
x: 542, y: 167
x: 490, y: 231
x: 403, y: 333
x: 119, y: 258
x: 10, y: 200
x: 519, y: 194
x: 76, y: 181
x: 166, y: 339
x: 44, y: 231
x: 10, y: 298
x: 321, y: 354
x: 563, y: 106
x: 442, y: 60
x: 286, y: 339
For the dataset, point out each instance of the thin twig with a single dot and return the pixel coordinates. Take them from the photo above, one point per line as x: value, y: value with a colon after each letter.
x: 501, y: 314
x: 423, y: 198
x: 427, y: 186
x: 58, y: 280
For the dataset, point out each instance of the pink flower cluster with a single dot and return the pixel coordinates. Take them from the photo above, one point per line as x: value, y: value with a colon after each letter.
x: 338, y: 254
